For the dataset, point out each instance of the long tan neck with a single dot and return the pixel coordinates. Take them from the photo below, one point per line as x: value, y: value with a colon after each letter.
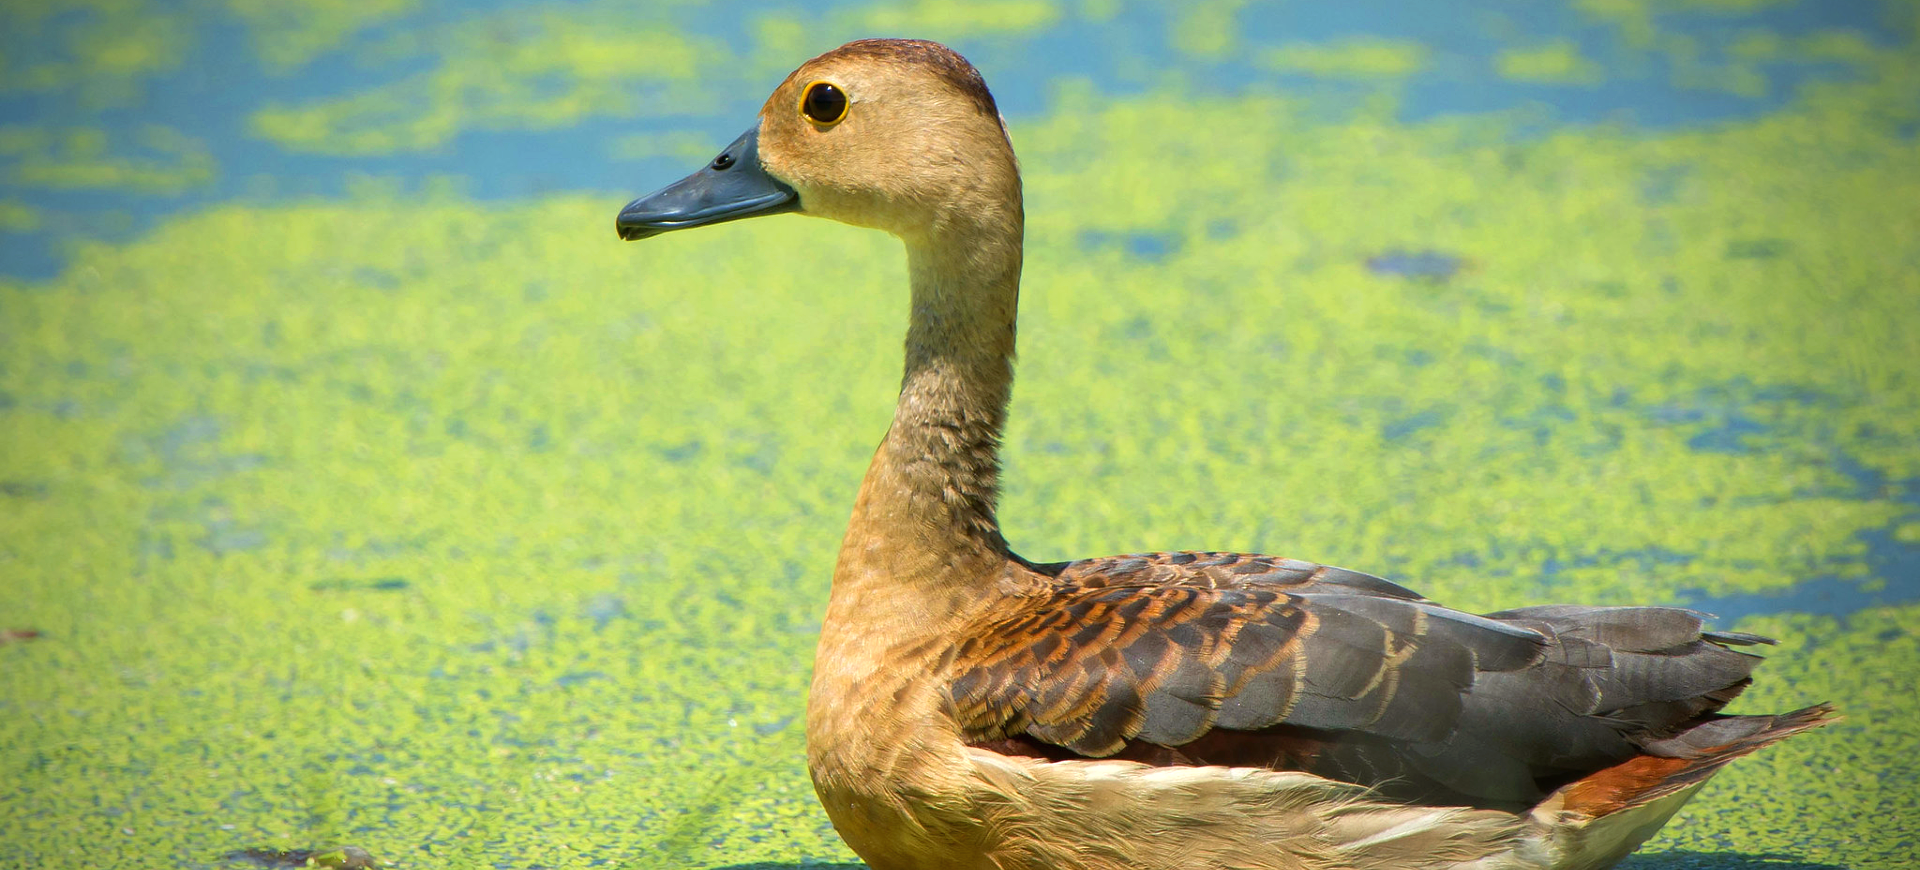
x: 923, y: 537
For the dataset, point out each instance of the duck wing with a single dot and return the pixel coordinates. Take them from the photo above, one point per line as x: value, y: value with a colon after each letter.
x: 1210, y: 658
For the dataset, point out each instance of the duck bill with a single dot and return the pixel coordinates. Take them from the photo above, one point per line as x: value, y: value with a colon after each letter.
x: 732, y: 187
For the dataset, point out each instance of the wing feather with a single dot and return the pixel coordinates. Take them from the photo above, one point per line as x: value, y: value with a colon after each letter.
x: 1253, y: 659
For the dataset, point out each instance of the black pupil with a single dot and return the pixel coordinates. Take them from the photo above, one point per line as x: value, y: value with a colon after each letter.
x: 825, y: 103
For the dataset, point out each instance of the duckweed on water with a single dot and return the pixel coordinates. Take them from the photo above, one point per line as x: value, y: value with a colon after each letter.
x: 471, y: 536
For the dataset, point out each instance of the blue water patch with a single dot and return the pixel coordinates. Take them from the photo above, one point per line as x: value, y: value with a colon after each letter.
x: 1895, y: 579
x: 356, y: 584
x: 1411, y: 424
x: 1723, y: 417
x: 575, y: 678
x: 1429, y: 265
x: 1726, y: 436
x: 1645, y: 559
x: 1151, y: 247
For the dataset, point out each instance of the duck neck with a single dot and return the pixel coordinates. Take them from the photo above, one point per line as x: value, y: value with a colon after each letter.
x: 924, y: 532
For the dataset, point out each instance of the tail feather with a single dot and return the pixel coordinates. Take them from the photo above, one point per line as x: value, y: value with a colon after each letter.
x: 1684, y: 760
x: 1595, y: 821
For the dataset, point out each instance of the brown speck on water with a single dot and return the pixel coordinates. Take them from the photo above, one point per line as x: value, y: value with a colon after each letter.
x: 17, y: 635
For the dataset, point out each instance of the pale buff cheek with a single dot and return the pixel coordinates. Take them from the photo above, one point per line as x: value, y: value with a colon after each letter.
x: 899, y: 216
x: 871, y: 172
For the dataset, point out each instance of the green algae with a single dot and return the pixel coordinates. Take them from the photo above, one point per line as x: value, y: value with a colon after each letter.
x: 953, y: 19
x: 153, y: 159
x: 1368, y: 58
x: 1741, y: 61
x: 18, y: 217
x: 101, y: 57
x: 554, y: 65
x: 1638, y: 21
x: 287, y: 34
x: 685, y: 146
x: 1208, y: 28
x: 1612, y: 287
x: 539, y: 67
x: 468, y: 535
x: 1557, y: 62
x: 1857, y: 776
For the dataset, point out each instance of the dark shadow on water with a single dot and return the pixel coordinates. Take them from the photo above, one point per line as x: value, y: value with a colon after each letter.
x: 1720, y: 861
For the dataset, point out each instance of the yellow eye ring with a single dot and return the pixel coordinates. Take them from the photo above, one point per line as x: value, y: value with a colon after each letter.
x: 823, y: 103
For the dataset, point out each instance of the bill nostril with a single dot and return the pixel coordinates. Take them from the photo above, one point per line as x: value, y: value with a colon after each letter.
x: 723, y: 161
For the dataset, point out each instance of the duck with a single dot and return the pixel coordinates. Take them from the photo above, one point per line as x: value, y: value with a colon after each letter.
x: 972, y: 709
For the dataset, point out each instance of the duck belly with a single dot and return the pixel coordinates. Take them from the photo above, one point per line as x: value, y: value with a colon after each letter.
x: 965, y: 808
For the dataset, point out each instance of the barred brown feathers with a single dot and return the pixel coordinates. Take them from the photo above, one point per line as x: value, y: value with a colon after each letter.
x: 1195, y: 658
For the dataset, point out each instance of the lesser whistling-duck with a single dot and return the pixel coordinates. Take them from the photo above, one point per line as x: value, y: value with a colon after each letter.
x: 971, y: 709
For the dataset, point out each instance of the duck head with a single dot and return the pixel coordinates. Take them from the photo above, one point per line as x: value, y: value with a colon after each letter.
x: 894, y: 134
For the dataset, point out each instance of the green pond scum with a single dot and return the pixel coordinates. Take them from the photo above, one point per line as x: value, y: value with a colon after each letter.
x: 416, y: 525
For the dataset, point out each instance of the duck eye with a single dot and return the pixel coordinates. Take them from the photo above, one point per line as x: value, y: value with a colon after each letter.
x: 823, y: 103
